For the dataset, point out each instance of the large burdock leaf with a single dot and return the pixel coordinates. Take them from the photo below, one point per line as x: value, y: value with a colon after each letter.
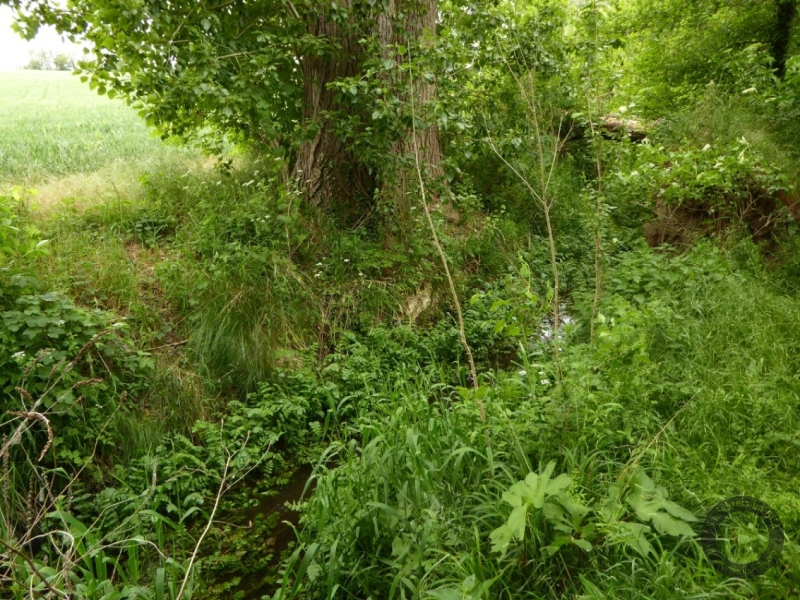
x: 501, y: 538
x: 536, y: 487
x: 636, y: 538
x: 512, y: 498
x: 668, y: 525
x: 517, y: 521
x: 527, y: 494
x: 558, y: 484
x: 645, y: 509
x: 651, y: 504
x: 445, y: 594
x: 678, y: 511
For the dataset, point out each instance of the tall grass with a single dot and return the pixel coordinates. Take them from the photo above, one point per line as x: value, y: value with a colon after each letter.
x: 694, y: 382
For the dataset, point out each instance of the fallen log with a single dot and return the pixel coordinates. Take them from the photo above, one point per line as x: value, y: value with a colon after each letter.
x: 614, y: 127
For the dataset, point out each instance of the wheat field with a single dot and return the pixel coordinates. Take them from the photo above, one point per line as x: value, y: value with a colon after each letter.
x: 52, y: 126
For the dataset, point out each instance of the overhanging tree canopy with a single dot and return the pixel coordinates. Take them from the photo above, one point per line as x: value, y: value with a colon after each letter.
x: 318, y: 80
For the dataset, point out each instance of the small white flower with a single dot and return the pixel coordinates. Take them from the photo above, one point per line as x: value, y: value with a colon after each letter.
x: 61, y: 322
x: 360, y: 274
x: 346, y: 260
x: 318, y: 275
x: 523, y: 373
x: 545, y: 382
x: 319, y: 264
x: 18, y: 355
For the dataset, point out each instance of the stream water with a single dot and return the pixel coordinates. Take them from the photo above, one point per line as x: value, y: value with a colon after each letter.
x: 283, y: 533
x: 299, y: 488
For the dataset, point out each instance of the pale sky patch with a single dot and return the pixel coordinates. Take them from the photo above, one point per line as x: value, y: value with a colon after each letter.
x: 15, y: 52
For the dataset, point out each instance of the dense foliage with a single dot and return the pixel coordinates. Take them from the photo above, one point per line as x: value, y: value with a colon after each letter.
x: 554, y: 327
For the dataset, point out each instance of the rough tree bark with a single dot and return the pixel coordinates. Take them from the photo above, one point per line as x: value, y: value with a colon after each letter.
x: 329, y: 172
x: 421, y: 26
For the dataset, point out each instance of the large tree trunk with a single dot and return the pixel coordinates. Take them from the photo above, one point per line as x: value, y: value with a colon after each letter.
x: 422, y: 28
x: 329, y: 172
x: 782, y: 33
x: 420, y: 146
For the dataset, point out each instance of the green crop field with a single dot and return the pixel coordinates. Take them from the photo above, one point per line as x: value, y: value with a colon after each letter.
x: 52, y: 125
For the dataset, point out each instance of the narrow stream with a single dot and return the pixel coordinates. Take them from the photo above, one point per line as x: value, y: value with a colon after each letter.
x: 283, y: 534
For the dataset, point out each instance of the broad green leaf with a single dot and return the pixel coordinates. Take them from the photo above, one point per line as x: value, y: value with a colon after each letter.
x: 554, y: 513
x: 517, y: 521
x: 561, y: 482
x: 668, y: 525
x: 582, y: 544
x: 445, y: 594
x: 523, y: 490
x: 557, y: 543
x: 511, y: 498
x: 644, y: 509
x: 636, y: 538
x: 501, y: 538
x: 548, y: 470
x: 677, y: 511
x: 643, y: 481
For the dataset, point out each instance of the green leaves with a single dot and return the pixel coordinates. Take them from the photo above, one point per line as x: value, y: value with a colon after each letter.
x: 536, y: 487
x: 657, y: 515
x: 651, y: 504
x: 540, y: 500
x: 532, y: 494
x: 16, y: 240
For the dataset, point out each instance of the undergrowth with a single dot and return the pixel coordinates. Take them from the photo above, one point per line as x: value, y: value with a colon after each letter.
x: 176, y: 360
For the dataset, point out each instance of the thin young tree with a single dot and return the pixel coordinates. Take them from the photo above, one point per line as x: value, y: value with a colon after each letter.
x: 544, y: 127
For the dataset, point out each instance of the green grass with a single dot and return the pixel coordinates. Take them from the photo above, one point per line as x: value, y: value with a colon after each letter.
x: 694, y: 382
x: 254, y: 308
x: 52, y: 125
